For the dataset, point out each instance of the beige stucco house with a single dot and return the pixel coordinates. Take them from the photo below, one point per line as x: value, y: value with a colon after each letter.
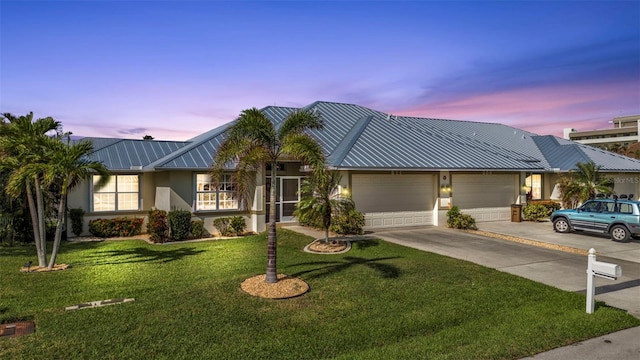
x: 400, y: 171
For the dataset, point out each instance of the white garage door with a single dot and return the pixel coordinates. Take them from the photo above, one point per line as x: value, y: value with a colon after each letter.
x: 471, y: 191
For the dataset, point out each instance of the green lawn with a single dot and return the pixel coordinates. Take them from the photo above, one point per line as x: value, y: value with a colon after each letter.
x: 377, y: 301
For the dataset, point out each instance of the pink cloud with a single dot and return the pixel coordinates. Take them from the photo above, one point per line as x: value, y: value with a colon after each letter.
x: 543, y: 110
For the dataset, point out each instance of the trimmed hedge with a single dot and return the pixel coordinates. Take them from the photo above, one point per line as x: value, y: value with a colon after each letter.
x: 158, y: 227
x: 122, y: 227
x: 77, y: 217
x: 179, y: 224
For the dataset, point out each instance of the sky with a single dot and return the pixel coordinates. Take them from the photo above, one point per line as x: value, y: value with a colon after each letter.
x: 175, y: 69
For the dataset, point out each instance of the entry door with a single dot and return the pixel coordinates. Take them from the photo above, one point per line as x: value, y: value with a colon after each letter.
x: 287, y: 196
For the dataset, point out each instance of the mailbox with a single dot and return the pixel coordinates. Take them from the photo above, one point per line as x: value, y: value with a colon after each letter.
x: 601, y: 269
x: 606, y: 270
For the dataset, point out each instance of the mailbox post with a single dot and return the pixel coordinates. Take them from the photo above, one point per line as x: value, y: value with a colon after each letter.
x: 601, y: 269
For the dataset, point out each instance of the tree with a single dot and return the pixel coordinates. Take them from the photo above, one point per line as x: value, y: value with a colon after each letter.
x: 37, y: 162
x: 253, y: 142
x: 321, y: 199
x: 583, y: 183
x: 22, y: 148
x: 68, y: 166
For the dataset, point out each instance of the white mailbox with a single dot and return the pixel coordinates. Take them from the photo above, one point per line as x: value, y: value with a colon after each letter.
x: 606, y: 270
x: 601, y: 269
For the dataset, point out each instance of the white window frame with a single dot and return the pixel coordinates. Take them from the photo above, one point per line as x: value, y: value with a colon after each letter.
x: 208, y: 197
x: 117, y: 192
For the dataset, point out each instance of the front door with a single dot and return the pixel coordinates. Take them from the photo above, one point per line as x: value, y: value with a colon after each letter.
x: 287, y: 196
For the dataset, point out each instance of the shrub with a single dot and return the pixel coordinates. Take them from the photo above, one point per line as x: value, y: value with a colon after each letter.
x: 230, y: 226
x: 179, y: 224
x: 222, y: 224
x: 349, y: 223
x: 77, y: 217
x: 305, y: 219
x: 197, y: 229
x: 158, y: 226
x: 535, y: 211
x: 550, y: 205
x: 458, y: 220
x: 238, y: 225
x: 123, y: 227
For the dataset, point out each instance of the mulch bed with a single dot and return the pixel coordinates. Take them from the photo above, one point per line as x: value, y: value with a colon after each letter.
x: 286, y: 287
x: 56, y: 267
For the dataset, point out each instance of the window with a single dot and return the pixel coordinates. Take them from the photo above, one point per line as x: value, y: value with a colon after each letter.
x: 212, y: 197
x: 533, y: 185
x: 119, y: 194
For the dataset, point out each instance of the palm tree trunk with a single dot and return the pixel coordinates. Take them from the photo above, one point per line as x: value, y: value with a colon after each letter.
x: 41, y: 221
x: 42, y: 260
x: 59, y: 226
x: 272, y: 276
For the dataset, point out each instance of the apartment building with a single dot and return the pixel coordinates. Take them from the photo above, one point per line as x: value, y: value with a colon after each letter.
x: 623, y: 133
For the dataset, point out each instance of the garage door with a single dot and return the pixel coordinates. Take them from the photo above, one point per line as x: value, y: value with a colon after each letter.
x: 392, y: 193
x: 471, y: 191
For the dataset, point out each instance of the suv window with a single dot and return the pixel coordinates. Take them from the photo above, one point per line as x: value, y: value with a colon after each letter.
x: 625, y: 208
x: 591, y: 206
x: 608, y: 207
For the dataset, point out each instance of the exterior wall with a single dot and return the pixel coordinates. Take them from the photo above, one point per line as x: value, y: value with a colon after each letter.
x: 165, y: 191
x: 80, y: 197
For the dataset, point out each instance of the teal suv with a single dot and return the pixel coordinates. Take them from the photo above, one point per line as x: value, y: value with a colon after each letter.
x: 619, y: 218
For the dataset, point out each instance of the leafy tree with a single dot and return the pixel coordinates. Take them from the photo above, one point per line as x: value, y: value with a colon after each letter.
x: 321, y: 198
x: 583, y: 183
x: 253, y: 142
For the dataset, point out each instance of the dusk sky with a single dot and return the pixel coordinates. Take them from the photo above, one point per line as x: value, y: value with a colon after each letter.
x: 175, y: 69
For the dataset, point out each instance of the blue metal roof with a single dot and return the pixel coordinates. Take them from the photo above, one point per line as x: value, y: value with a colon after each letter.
x: 355, y: 137
x: 128, y: 154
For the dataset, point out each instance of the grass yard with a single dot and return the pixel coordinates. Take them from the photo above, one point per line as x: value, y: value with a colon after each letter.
x: 377, y: 301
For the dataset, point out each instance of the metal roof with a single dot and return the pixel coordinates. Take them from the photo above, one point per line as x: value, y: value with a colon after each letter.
x: 355, y: 137
x: 128, y: 154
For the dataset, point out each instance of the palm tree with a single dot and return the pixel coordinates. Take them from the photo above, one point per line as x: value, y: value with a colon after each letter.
x: 253, y: 142
x: 321, y: 199
x: 22, y: 148
x: 584, y: 183
x: 68, y: 166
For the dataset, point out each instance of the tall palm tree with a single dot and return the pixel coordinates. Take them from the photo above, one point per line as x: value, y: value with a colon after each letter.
x: 584, y: 183
x: 253, y: 142
x: 68, y: 166
x: 22, y: 148
x: 321, y: 199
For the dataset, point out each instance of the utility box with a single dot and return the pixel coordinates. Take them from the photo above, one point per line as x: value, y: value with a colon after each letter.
x: 516, y: 213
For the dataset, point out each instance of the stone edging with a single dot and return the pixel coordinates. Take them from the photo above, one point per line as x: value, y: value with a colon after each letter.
x: 347, y: 248
x: 542, y: 244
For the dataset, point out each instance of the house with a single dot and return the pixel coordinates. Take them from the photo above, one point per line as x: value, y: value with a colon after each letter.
x: 400, y: 171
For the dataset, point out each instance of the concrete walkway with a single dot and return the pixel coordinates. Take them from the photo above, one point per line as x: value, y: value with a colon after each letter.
x: 536, y: 257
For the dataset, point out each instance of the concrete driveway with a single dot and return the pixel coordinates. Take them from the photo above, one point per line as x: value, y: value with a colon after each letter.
x: 564, y: 270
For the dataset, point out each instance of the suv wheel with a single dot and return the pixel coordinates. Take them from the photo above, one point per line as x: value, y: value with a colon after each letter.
x: 561, y: 225
x: 620, y: 233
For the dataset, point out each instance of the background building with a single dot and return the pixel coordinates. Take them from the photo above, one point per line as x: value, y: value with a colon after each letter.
x: 623, y: 134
